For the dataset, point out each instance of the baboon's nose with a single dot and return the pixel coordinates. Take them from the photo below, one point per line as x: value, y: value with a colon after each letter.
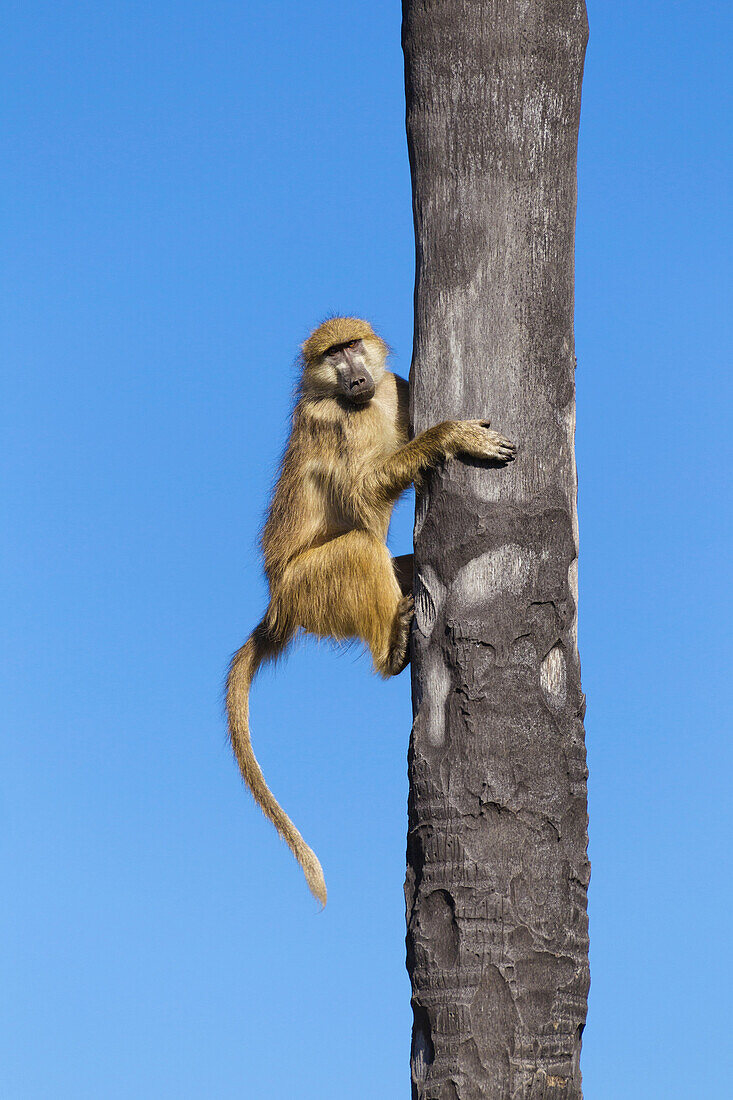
x: 357, y: 382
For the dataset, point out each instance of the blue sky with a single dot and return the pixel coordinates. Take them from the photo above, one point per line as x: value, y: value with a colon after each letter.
x: 187, y: 189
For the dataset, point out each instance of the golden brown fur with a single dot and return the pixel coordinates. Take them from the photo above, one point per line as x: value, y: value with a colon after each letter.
x: 347, y: 461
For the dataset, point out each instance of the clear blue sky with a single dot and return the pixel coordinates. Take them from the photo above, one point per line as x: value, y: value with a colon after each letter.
x: 187, y: 188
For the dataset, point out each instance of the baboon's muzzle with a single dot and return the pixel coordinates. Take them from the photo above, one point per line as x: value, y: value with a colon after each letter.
x: 356, y: 383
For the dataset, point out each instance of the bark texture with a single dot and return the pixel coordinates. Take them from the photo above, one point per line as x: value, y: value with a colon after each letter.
x: 497, y: 943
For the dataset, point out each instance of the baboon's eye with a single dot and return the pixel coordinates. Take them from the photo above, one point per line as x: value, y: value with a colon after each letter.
x: 352, y: 343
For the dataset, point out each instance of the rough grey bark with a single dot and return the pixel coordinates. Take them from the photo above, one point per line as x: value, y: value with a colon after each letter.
x: 497, y: 944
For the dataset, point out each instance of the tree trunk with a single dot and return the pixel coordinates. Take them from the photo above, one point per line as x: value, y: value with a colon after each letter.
x: 497, y: 943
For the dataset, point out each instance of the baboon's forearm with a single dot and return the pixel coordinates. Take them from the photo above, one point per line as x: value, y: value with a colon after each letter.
x: 399, y: 471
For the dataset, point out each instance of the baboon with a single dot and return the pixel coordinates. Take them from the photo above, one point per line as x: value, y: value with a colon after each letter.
x: 348, y: 459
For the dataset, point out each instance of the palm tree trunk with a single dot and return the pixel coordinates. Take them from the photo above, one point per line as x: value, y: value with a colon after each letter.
x: 497, y: 943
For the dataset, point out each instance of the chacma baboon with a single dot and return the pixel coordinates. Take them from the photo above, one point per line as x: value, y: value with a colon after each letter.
x: 348, y: 459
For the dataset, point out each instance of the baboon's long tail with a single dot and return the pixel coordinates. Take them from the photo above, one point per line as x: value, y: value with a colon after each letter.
x: 259, y: 647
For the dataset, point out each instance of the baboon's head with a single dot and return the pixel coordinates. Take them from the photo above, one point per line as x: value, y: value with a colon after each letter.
x: 343, y: 358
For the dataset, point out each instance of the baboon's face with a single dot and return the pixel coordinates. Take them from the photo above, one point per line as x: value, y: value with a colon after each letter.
x: 349, y: 370
x: 351, y: 365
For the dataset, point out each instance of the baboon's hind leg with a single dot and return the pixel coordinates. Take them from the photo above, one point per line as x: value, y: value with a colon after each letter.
x: 349, y: 588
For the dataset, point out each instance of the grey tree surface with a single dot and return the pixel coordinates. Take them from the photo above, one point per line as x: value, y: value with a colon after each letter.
x: 497, y: 940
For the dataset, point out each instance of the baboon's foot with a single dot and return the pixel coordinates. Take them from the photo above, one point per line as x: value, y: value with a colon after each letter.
x: 403, y: 571
x: 399, y: 650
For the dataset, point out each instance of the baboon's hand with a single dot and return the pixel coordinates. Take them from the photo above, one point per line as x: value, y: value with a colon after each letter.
x: 476, y: 439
